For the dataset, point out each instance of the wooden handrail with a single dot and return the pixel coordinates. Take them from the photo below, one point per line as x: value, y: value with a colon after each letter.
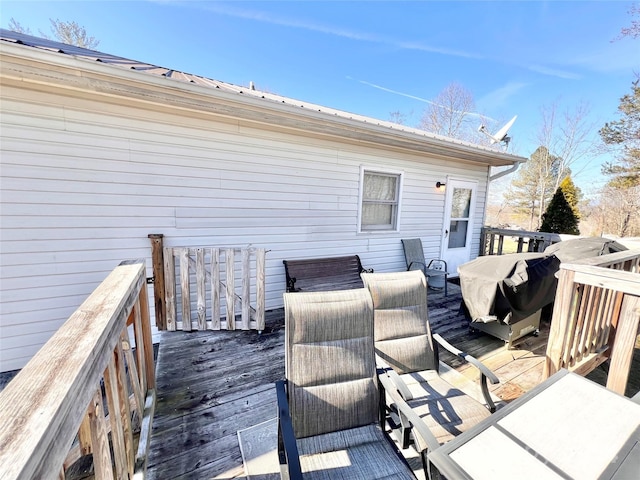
x: 57, y: 397
x: 597, y: 276
x: 596, y: 316
x: 627, y: 260
x: 492, y: 240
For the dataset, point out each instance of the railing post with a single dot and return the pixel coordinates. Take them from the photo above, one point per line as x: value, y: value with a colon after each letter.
x: 492, y: 239
x: 622, y: 351
x: 500, y: 244
x: 147, y: 339
x: 483, y: 241
x: 563, y: 313
x: 157, y: 262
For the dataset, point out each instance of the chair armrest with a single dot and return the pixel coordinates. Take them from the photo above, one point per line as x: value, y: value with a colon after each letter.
x: 468, y: 358
x: 287, y: 448
x: 484, y: 371
x: 423, y: 265
x: 446, y: 267
x: 401, y: 386
x: 434, y: 271
x: 418, y: 425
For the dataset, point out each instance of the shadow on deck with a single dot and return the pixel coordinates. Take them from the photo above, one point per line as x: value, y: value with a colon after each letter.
x: 212, y: 384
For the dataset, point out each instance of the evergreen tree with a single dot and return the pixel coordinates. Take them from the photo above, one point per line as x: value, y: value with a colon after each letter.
x: 532, y: 188
x: 625, y: 133
x: 572, y: 195
x: 561, y: 216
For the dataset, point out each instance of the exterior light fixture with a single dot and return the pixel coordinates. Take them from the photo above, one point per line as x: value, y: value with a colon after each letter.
x: 440, y: 186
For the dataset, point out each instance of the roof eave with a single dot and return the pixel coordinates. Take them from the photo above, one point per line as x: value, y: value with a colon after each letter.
x: 252, y: 108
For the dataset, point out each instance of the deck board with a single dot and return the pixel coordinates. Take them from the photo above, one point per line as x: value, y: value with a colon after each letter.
x: 211, y: 384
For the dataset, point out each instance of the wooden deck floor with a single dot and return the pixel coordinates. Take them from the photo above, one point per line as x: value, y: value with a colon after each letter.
x: 212, y: 384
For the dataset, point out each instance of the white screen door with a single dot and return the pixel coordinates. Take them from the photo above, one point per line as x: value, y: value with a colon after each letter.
x: 460, y: 201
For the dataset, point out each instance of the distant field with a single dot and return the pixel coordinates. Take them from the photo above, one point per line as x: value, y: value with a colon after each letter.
x: 509, y: 245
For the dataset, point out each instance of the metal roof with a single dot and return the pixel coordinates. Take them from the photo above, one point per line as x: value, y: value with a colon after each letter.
x: 175, y: 75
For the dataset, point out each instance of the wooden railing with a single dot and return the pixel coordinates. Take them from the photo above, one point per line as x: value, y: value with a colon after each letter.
x: 596, y: 316
x: 492, y: 241
x: 194, y: 275
x: 53, y: 412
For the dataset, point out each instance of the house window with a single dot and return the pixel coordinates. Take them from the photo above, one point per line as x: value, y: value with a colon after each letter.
x: 379, y: 200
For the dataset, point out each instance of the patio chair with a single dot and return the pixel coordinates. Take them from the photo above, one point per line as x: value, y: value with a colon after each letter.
x: 404, y: 342
x: 330, y: 416
x: 435, y: 271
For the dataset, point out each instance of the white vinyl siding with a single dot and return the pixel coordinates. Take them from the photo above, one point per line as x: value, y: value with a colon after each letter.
x: 84, y: 180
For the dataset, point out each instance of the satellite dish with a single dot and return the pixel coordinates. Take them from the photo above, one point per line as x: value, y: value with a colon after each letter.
x: 501, y: 135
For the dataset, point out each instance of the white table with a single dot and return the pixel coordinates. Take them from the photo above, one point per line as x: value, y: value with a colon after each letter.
x: 567, y: 427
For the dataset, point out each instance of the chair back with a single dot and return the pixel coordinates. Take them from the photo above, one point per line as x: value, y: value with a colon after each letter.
x: 413, y: 253
x: 401, y: 320
x: 330, y: 361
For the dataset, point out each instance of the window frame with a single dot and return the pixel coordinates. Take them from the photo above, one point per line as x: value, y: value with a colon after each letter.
x: 394, y: 227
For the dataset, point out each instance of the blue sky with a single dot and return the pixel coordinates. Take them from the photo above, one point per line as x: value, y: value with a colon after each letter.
x: 376, y: 57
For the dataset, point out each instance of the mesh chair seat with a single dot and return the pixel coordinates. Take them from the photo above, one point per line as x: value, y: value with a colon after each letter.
x: 446, y: 410
x: 356, y: 453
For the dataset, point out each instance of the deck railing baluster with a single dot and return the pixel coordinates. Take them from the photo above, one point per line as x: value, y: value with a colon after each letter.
x: 596, y: 317
x: 216, y: 276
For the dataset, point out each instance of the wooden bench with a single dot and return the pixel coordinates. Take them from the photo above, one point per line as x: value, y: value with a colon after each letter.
x: 323, y: 274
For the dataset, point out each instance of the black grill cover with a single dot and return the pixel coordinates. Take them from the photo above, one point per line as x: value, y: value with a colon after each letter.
x: 579, y: 248
x: 511, y: 287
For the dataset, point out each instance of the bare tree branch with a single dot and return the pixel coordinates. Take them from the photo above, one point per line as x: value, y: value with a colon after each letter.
x: 633, y: 31
x: 449, y: 113
x: 567, y: 136
x: 15, y: 26
x: 71, y: 33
